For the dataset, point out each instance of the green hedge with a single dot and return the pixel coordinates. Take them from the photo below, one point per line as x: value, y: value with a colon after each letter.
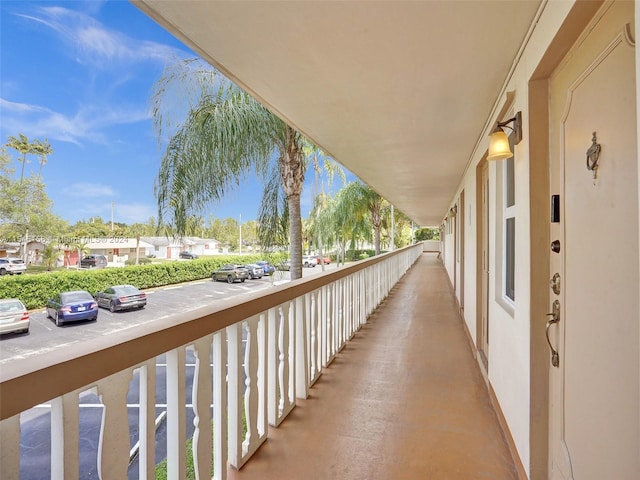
x: 35, y: 290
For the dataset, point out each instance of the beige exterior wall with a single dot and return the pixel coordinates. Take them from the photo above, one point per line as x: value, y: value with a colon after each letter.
x: 509, y: 365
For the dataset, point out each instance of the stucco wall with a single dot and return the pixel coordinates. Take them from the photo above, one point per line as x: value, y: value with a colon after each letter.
x: 510, y: 323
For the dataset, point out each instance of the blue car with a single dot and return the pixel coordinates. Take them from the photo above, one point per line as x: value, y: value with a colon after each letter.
x: 74, y: 306
x: 267, y: 267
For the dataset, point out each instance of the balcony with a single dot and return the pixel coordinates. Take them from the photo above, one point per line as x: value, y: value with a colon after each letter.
x: 314, y: 379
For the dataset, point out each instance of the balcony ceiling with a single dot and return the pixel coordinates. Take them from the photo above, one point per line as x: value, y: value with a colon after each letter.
x: 400, y: 93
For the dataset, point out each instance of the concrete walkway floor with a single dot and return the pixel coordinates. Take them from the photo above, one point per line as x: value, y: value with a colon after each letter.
x: 404, y: 399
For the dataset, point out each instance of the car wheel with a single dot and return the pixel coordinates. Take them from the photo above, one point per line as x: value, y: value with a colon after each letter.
x: 229, y: 279
x: 112, y: 306
x: 242, y: 280
x: 3, y: 271
x: 58, y: 322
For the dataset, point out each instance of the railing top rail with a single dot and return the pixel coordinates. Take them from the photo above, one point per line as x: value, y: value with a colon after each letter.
x: 80, y: 365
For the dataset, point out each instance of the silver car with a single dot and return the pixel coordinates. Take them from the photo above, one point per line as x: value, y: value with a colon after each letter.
x: 14, y: 316
x: 255, y: 271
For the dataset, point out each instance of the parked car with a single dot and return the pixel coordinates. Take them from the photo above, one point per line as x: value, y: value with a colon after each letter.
x: 324, y: 259
x: 121, y: 297
x: 94, y: 261
x: 266, y: 267
x: 255, y: 270
x: 188, y: 255
x: 72, y: 307
x: 230, y: 273
x: 284, y: 265
x: 309, y: 261
x: 12, y: 266
x: 14, y: 316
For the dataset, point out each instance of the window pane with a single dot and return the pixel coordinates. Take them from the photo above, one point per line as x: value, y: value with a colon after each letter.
x: 510, y: 259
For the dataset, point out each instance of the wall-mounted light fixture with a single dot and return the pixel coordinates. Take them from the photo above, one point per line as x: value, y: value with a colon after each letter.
x: 499, y: 141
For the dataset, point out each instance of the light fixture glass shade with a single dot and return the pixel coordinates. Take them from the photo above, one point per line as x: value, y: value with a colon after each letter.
x: 499, y: 146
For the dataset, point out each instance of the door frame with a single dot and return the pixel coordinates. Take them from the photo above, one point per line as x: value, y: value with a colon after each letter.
x: 482, y: 262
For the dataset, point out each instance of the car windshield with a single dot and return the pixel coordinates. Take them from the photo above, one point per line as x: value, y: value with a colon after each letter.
x: 17, y: 261
x: 75, y: 297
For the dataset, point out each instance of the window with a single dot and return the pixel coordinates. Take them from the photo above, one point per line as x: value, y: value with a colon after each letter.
x: 509, y: 229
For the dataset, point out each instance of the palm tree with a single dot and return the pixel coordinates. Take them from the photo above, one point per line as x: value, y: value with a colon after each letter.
x: 50, y: 254
x: 42, y: 149
x: 136, y: 231
x: 227, y: 135
x: 322, y: 163
x: 346, y: 218
x: 358, y: 200
x: 22, y: 145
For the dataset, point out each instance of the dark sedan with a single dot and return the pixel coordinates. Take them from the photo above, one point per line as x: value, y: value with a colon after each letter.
x: 72, y: 307
x: 230, y: 273
x: 121, y: 297
x: 188, y: 255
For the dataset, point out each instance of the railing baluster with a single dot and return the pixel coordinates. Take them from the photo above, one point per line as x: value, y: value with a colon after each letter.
x: 315, y: 337
x: 10, y: 447
x: 220, y: 405
x: 247, y: 399
x: 113, y: 448
x: 290, y: 346
x: 146, y: 422
x: 202, y: 399
x: 234, y: 334
x: 301, y: 348
x: 65, y: 424
x: 273, y: 320
x: 176, y: 413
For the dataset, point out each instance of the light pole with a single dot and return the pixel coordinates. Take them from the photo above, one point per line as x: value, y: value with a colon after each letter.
x: 240, y: 234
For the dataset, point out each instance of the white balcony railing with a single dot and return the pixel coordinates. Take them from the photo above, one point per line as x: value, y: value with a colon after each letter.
x: 251, y: 360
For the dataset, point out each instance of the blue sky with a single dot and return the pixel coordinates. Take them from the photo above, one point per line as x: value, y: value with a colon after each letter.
x: 80, y: 74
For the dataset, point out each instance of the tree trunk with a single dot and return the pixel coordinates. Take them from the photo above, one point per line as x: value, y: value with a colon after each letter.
x: 292, y: 176
x: 295, y: 236
x: 376, y: 239
x: 376, y: 219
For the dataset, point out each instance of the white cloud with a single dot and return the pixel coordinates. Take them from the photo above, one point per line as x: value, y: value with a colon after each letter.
x: 81, y: 127
x: 91, y: 190
x: 134, y: 212
x: 91, y: 43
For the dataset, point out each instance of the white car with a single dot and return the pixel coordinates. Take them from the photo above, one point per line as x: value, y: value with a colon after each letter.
x: 309, y: 261
x: 13, y: 266
x: 14, y: 317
